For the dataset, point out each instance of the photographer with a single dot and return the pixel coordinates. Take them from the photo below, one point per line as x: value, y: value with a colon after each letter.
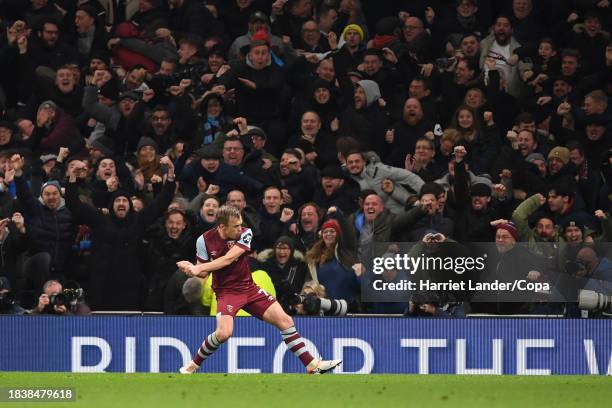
x: 313, y: 301
x: 593, y: 273
x: 59, y: 301
x: 7, y: 303
x: 438, y: 303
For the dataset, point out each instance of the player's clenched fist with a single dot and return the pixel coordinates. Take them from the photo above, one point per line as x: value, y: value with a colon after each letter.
x: 187, y: 268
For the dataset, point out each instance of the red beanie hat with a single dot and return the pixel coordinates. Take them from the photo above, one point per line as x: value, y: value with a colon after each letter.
x: 332, y: 224
x: 510, y: 227
x: 261, y: 37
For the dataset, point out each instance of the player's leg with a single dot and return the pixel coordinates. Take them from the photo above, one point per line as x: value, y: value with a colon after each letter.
x: 275, y: 315
x: 224, y: 330
x: 227, y: 306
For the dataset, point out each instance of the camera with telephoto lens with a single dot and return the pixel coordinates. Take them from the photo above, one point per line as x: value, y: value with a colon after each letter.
x: 591, y: 300
x: 71, y: 296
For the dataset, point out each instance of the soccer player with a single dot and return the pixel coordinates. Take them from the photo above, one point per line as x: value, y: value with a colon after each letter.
x: 225, y: 249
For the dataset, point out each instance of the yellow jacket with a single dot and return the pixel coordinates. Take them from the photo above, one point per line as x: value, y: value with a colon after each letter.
x: 261, y: 279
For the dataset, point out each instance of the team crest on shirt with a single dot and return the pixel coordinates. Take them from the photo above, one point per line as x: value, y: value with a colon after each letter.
x: 229, y: 308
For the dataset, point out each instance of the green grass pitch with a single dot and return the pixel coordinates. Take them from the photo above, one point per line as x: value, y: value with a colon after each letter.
x: 294, y: 390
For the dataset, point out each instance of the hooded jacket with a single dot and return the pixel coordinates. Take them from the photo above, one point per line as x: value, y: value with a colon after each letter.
x: 117, y: 280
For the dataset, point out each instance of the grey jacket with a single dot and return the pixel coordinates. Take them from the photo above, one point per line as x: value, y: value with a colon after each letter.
x: 375, y: 172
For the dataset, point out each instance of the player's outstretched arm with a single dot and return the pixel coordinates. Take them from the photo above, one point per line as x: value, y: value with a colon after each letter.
x: 232, y: 255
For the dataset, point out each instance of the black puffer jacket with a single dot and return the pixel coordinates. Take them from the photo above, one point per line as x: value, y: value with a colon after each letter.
x: 160, y: 254
x: 117, y: 280
x: 50, y: 231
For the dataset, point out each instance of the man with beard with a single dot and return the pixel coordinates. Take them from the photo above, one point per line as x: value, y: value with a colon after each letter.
x: 565, y: 205
x: 501, y: 45
x: 544, y: 238
x: 117, y: 280
x: 475, y: 208
x: 297, y: 184
x: 388, y: 182
x: 387, y: 77
x: 305, y: 231
x: 402, y: 138
x: 335, y: 190
x: 365, y: 119
x: 160, y: 128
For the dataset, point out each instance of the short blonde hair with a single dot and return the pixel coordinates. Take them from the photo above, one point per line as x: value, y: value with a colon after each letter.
x: 226, y: 212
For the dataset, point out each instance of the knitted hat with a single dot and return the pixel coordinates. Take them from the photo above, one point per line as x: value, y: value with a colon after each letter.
x: 332, y: 171
x: 147, y: 141
x: 284, y: 239
x: 573, y: 223
x: 534, y: 156
x: 47, y: 157
x: 332, y: 224
x: 104, y: 144
x: 52, y: 183
x: 209, y: 152
x: 256, y: 131
x: 510, y: 227
x: 47, y: 104
x: 354, y: 27
x: 371, y: 90
x: 480, y: 190
x: 561, y: 153
x: 261, y: 37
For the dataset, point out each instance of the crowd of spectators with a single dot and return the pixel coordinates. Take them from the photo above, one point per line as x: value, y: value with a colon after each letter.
x: 331, y: 124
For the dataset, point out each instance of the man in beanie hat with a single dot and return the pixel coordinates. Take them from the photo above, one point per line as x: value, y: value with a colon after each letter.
x: 259, y: 83
x: 50, y: 227
x: 475, y: 207
x: 365, y: 119
x: 286, y: 267
x: 257, y: 22
x: 103, y: 146
x: 349, y: 55
x: 117, y: 277
x: 557, y: 158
